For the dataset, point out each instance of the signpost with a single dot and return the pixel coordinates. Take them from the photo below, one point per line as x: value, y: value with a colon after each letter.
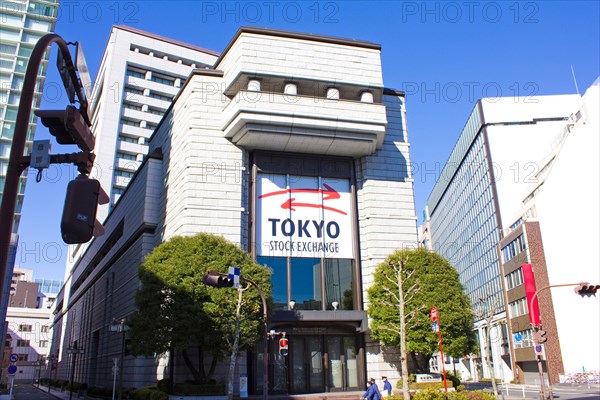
x: 435, y: 326
x: 12, y: 370
x: 518, y: 337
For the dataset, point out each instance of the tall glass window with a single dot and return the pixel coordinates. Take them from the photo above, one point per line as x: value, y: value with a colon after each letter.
x: 339, y: 277
x: 306, y: 283
x: 278, y: 267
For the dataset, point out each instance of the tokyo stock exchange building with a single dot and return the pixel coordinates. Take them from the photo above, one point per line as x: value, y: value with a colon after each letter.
x: 291, y: 147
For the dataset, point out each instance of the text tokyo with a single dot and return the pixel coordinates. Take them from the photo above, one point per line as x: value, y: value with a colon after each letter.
x: 305, y: 228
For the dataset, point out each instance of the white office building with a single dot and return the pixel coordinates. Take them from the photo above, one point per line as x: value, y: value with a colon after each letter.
x: 539, y: 233
x: 497, y: 163
x: 140, y: 74
x: 236, y: 141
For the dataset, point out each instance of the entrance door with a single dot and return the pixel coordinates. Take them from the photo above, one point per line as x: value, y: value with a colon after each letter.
x: 322, y: 364
x: 342, y: 363
x: 306, y: 359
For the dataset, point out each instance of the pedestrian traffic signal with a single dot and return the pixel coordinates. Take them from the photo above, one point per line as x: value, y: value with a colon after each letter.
x: 68, y: 126
x: 78, y: 223
x: 540, y: 336
x: 213, y: 278
x: 585, y: 289
x: 283, y: 347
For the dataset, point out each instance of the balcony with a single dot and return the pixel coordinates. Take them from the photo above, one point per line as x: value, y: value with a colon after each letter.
x: 304, y: 124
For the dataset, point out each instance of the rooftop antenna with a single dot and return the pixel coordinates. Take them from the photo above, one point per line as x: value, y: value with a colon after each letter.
x: 575, y: 80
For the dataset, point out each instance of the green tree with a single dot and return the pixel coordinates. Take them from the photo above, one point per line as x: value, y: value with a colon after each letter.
x: 176, y: 311
x: 427, y: 280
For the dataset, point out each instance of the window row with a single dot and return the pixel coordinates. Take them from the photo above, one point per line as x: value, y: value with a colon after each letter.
x: 518, y: 308
x: 513, y: 248
x: 151, y: 75
x: 167, y: 57
x: 514, y: 279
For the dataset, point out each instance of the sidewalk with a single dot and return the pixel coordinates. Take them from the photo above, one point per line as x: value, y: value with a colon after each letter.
x: 57, y: 393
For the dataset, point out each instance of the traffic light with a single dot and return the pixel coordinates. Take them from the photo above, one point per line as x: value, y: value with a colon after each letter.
x: 78, y: 223
x: 283, y: 346
x: 68, y: 126
x: 213, y: 278
x: 585, y: 289
x: 540, y: 336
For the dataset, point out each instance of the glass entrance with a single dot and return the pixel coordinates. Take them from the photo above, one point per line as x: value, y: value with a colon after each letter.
x: 322, y: 363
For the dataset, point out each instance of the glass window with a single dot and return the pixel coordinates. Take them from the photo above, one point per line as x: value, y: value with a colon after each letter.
x: 306, y: 283
x: 135, y: 73
x: 278, y: 278
x: 338, y: 284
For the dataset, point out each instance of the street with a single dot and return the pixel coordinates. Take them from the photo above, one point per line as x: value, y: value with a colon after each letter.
x: 25, y: 391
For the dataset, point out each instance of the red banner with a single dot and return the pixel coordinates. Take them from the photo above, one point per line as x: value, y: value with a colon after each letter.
x: 529, y: 282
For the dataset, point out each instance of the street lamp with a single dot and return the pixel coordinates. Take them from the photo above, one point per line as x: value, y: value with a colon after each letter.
x: 73, y: 351
x: 51, y: 360
x: 41, y: 361
x: 118, y: 325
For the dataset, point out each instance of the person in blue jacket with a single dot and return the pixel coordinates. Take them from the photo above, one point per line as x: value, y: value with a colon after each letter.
x: 372, y: 392
x: 387, y: 387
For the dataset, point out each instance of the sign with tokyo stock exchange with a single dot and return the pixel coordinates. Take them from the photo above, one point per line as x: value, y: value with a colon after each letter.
x: 300, y: 216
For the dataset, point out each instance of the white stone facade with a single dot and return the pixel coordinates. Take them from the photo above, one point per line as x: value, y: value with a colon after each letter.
x: 197, y: 178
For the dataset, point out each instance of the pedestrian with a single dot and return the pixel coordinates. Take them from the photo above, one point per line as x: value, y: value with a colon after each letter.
x: 387, y: 387
x: 372, y: 392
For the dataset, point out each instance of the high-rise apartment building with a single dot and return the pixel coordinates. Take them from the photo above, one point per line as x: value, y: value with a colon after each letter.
x: 140, y: 74
x: 478, y: 194
x: 277, y: 113
x: 22, y: 24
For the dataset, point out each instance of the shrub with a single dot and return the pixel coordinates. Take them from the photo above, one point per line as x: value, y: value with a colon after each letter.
x: 191, y: 389
x: 478, y: 395
x: 163, y: 385
x: 450, y: 376
x: 100, y: 391
x: 429, y: 385
x: 149, y: 393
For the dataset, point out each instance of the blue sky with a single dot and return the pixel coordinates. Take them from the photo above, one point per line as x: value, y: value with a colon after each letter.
x: 444, y: 55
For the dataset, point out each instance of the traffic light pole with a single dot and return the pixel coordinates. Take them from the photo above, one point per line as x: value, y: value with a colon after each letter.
x: 266, y: 329
x: 265, y: 340
x: 538, y: 327
x: 16, y: 165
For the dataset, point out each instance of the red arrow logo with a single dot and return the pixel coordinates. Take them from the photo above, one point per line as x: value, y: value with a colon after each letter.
x: 289, y: 205
x: 329, y: 194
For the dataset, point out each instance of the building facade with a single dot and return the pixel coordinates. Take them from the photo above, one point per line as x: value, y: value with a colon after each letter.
x: 477, y: 200
x: 140, y: 74
x: 28, y: 327
x: 536, y: 235
x: 23, y: 24
x: 305, y: 168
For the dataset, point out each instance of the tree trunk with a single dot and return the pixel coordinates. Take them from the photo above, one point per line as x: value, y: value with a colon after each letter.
x: 236, y: 342
x: 190, y: 365
x: 171, y: 370
x: 403, y: 352
x: 489, y: 356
